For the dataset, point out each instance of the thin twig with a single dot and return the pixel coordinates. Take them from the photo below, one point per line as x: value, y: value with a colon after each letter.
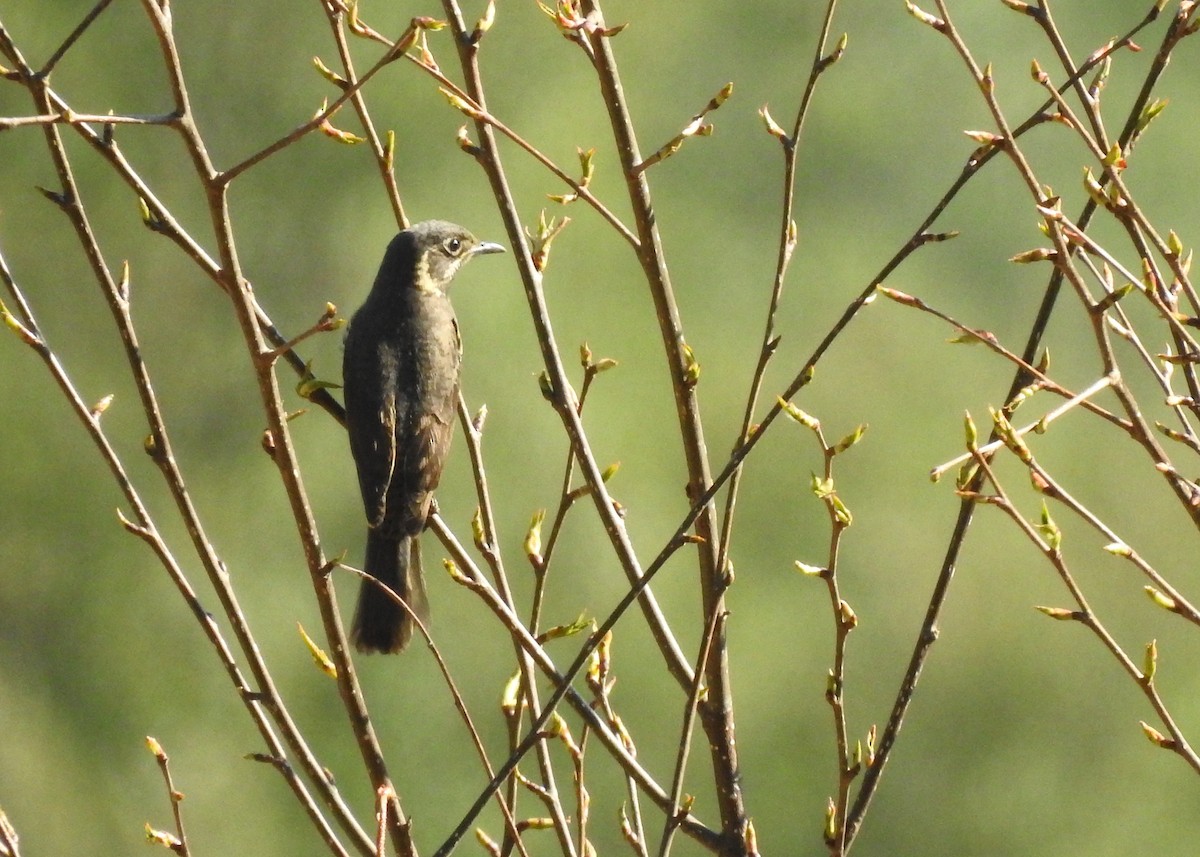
x: 822, y: 61
x: 474, y: 439
x: 173, y: 795
x: 562, y: 690
x: 1086, y: 615
x: 74, y: 36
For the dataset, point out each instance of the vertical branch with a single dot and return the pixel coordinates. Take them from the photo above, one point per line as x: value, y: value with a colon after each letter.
x: 787, y: 245
x: 716, y: 709
x: 561, y: 394
x: 282, y: 451
x: 159, y: 446
x: 671, y: 823
x: 488, y: 542
x: 383, y: 154
x: 848, y: 764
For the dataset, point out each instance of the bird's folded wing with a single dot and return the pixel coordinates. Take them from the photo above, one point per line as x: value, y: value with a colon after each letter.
x: 374, y: 448
x: 422, y: 460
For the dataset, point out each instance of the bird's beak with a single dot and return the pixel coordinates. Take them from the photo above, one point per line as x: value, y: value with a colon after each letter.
x: 485, y: 247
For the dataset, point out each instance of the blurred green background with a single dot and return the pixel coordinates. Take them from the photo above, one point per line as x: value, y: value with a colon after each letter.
x: 1024, y: 735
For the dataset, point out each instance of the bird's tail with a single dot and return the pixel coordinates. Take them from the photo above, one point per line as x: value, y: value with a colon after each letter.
x: 380, y: 624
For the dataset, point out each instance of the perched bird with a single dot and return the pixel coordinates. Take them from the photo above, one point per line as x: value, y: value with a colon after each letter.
x: 400, y: 373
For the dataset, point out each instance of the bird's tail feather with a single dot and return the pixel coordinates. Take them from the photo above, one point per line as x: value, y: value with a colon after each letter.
x: 380, y: 624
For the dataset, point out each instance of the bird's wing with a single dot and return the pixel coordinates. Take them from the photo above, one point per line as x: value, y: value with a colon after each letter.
x: 374, y: 448
x: 371, y: 420
x: 422, y: 458
x: 426, y: 443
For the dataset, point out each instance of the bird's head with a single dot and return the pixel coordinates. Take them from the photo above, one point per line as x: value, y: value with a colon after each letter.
x: 436, y: 250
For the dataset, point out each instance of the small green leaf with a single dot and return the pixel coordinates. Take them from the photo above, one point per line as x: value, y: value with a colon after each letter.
x: 320, y: 658
x: 582, y: 623
x: 310, y: 383
x: 850, y: 439
x: 477, y: 531
x: 841, y: 511
x: 1108, y: 301
x: 1149, y: 113
x: 329, y: 74
x: 972, y: 434
x: 1050, y: 530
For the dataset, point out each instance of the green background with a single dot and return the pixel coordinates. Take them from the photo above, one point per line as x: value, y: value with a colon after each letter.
x: 1024, y: 735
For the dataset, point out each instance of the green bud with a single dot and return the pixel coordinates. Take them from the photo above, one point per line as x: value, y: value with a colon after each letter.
x: 1161, y: 599
x: 329, y: 74
x: 477, y: 531
x: 840, y: 511
x: 1114, y: 158
x: 925, y: 18
x: 533, y: 538
x: 773, y: 127
x: 1108, y: 301
x: 805, y: 419
x: 1050, y: 530
x: 1157, y: 737
x: 811, y: 570
x: 1060, y: 613
x: 581, y: 623
x: 831, y: 813
x: 510, y: 698
x: 163, y: 838
x: 821, y: 487
x: 545, y: 386
x: 1037, y: 254
x: 850, y: 439
x: 691, y: 370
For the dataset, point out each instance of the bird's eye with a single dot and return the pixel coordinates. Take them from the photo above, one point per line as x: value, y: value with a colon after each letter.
x: 454, y: 246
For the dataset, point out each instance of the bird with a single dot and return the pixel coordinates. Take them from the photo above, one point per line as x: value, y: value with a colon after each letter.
x: 400, y: 378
